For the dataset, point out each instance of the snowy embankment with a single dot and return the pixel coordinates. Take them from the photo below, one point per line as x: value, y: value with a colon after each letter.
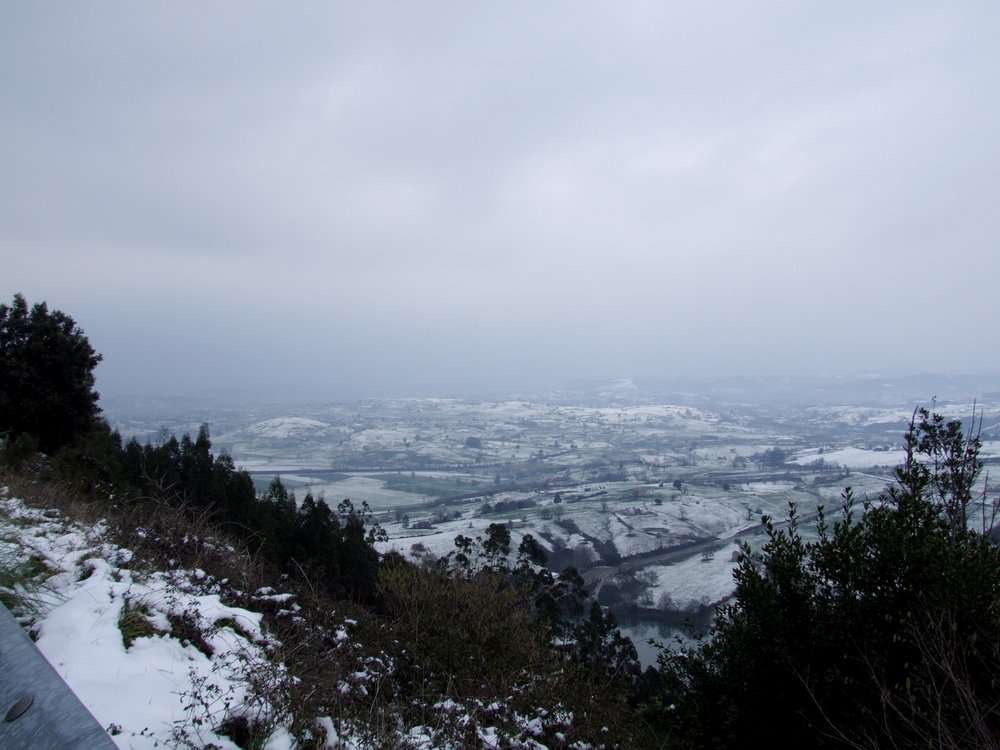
x: 161, y: 660
x: 157, y: 658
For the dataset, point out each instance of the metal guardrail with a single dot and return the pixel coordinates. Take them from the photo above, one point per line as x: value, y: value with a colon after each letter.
x: 39, y: 710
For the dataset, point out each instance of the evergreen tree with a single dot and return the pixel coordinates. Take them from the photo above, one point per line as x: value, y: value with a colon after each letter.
x: 318, y: 541
x: 276, y: 522
x: 496, y: 548
x: 359, y: 561
x: 46, y: 376
x: 233, y: 493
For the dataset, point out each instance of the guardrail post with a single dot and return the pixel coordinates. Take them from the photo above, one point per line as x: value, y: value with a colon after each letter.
x: 38, y: 711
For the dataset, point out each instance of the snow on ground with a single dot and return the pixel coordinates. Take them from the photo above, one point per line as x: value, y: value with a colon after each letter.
x: 635, y: 528
x: 266, y: 464
x: 861, y: 415
x: 379, y: 437
x: 150, y: 692
x: 853, y: 458
x: 591, y: 519
x: 990, y: 448
x: 767, y: 488
x: 355, y: 488
x: 697, y: 580
x: 440, y: 540
x: 106, y: 629
x: 284, y: 428
x: 627, y: 538
x: 709, y: 516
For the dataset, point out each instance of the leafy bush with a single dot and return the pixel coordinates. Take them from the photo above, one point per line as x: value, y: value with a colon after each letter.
x: 882, y: 632
x: 464, y: 636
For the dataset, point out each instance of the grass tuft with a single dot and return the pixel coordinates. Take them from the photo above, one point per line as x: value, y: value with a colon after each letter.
x: 20, y: 582
x: 186, y: 628
x: 229, y: 622
x: 134, y: 622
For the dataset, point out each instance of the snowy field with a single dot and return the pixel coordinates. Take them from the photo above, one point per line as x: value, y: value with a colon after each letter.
x: 354, y: 488
x: 854, y: 458
x: 438, y: 542
x: 698, y: 580
x: 516, y: 441
x: 630, y: 452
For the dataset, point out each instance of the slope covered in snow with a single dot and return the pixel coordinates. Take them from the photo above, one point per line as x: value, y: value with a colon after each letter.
x: 157, y: 658
x: 284, y: 428
x: 161, y: 659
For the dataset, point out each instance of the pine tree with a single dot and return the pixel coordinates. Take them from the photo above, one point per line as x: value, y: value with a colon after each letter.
x: 46, y: 376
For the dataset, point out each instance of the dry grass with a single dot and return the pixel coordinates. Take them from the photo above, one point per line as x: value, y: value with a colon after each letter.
x: 134, y: 622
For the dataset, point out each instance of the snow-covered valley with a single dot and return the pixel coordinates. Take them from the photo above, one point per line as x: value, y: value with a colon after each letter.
x: 611, y: 475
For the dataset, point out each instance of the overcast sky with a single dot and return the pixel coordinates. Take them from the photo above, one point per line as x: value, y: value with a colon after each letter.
x: 348, y: 199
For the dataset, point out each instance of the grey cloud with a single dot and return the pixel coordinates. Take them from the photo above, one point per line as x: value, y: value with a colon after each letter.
x: 428, y: 190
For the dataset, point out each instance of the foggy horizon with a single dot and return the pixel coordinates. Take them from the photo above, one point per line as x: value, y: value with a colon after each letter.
x: 904, y: 389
